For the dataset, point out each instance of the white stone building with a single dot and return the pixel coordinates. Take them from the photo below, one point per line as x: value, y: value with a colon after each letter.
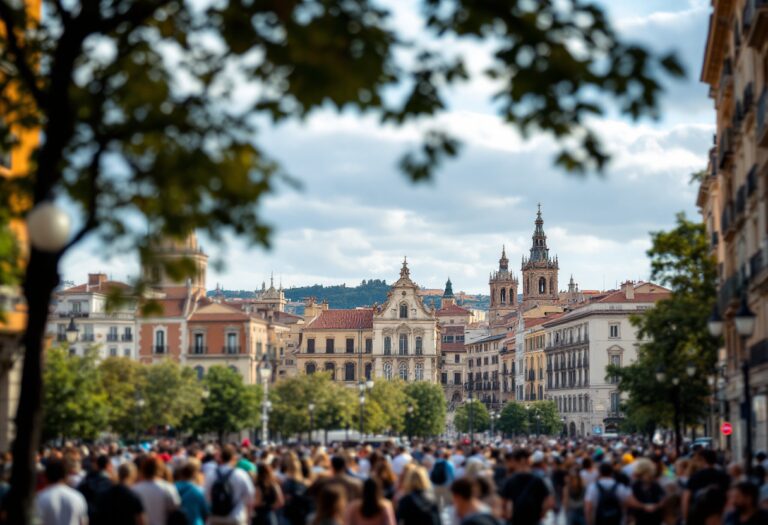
x: 579, y: 347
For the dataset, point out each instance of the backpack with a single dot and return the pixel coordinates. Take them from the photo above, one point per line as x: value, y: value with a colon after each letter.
x: 439, y: 473
x: 298, y: 504
x: 608, y: 510
x: 222, y: 499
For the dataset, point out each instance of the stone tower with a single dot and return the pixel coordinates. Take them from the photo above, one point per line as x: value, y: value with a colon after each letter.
x: 171, y: 257
x: 539, y: 270
x: 448, y: 297
x: 503, y: 285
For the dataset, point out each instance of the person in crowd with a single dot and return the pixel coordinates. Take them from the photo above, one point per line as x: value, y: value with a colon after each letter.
x: 588, y: 472
x: 331, y: 505
x: 743, y: 500
x: 193, y: 504
x: 383, y: 473
x: 119, y: 505
x: 707, y: 507
x: 58, y: 503
x: 527, y: 497
x: 298, y: 504
x: 372, y: 508
x: 268, y: 496
x: 573, y: 498
x: 401, y: 460
x: 605, y: 500
x: 97, y: 481
x: 159, y: 498
x: 708, y: 473
x: 441, y: 477
x: 469, y: 508
x: 416, y: 506
x: 229, y: 491
x: 645, y: 500
x: 339, y: 474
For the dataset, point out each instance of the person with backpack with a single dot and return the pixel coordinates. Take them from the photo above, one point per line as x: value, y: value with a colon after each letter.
x: 229, y: 491
x: 268, y: 496
x: 442, y: 476
x: 605, y: 498
x: 193, y: 503
x: 96, y: 482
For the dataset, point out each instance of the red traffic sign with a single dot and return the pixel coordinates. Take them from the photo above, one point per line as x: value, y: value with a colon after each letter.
x: 726, y: 429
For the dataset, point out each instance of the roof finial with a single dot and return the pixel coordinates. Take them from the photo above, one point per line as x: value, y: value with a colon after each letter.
x: 272, y: 279
x: 404, y: 271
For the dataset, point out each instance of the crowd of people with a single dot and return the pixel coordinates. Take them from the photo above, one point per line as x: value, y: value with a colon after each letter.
x: 531, y: 482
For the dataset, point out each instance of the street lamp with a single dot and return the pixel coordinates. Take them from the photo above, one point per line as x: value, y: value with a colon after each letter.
x: 265, y: 372
x: 71, y: 331
x: 139, y: 408
x: 538, y: 423
x: 715, y: 323
x: 410, y: 416
x: 311, y: 408
x: 48, y: 226
x: 493, y: 420
x: 745, y: 327
x: 206, y: 393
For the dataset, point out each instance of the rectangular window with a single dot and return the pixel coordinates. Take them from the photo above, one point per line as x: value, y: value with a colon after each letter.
x: 457, y: 378
x: 419, y: 346
x: 310, y: 346
x: 112, y: 333
x: 444, y: 378
x: 613, y: 332
x: 199, y: 347
x: 615, y: 402
x: 127, y: 334
x: 369, y: 346
x: 76, y: 307
x: 127, y: 352
x: 350, y: 345
x: 113, y: 352
x: 232, y: 347
x: 61, y: 333
x: 329, y: 346
x: 88, y: 332
x: 456, y: 358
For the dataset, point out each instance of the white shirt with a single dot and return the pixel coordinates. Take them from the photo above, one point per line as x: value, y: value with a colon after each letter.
x: 159, y: 498
x: 61, y: 505
x: 243, y: 491
x: 399, y: 463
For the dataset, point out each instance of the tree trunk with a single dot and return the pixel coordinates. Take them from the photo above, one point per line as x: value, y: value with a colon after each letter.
x: 41, y: 278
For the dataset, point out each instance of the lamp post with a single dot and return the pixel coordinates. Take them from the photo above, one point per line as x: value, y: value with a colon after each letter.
x: 538, y: 423
x: 362, y: 387
x: 493, y: 416
x: 139, y: 409
x: 410, y: 417
x: 745, y: 327
x: 71, y: 331
x: 311, y: 408
x: 265, y: 372
x: 49, y: 227
x: 715, y: 327
x: 690, y: 371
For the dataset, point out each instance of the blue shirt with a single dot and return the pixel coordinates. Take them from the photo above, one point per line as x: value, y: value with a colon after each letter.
x: 193, y: 502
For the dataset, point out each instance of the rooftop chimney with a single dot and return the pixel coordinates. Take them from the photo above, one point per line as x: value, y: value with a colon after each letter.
x: 95, y: 279
x: 629, y: 289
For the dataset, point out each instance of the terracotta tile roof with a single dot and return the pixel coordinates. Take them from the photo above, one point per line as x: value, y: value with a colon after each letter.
x: 103, y: 287
x: 536, y: 321
x: 229, y: 316
x: 621, y: 297
x: 452, y: 309
x: 343, y: 320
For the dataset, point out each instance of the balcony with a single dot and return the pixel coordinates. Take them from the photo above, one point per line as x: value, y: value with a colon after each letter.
x: 738, y: 118
x: 725, y: 148
x: 160, y: 349
x: 730, y: 292
x: 748, y: 99
x: 198, y: 350
x: 231, y: 349
x: 754, y: 23
x: 87, y: 337
x: 758, y: 353
x: 715, y: 239
x: 741, y: 202
x: 756, y: 264
x: 127, y: 338
x: 112, y: 338
x: 752, y: 180
x: 762, y: 129
x: 61, y: 338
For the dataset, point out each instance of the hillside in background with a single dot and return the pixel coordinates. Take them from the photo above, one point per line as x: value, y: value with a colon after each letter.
x: 366, y: 293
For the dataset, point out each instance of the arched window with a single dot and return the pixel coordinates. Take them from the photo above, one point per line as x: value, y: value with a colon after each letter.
x: 403, y: 344
x: 419, y: 372
x: 403, y: 311
x: 200, y: 372
x: 387, y: 345
x: 512, y: 298
x: 388, y: 371
x: 311, y: 368
x: 542, y: 285
x: 349, y: 371
x: 403, y: 371
x: 419, y: 346
x: 330, y: 367
x: 503, y: 296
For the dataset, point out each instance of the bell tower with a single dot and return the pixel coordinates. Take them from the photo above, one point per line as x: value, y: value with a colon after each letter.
x: 539, y: 270
x: 183, y: 255
x: 503, y: 285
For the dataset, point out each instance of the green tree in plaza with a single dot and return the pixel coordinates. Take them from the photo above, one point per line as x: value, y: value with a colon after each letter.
x: 476, y: 410
x: 513, y: 419
x: 391, y: 400
x: 674, y: 333
x: 121, y: 378
x: 139, y: 115
x: 429, y: 408
x: 75, y: 404
x: 230, y: 406
x: 543, y: 417
x: 172, y: 395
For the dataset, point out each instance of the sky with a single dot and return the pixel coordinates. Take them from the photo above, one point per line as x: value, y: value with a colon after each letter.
x: 356, y: 216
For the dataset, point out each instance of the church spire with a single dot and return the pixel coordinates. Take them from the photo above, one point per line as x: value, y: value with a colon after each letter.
x: 539, y: 250
x: 405, y: 273
x: 448, y: 289
x: 503, y: 262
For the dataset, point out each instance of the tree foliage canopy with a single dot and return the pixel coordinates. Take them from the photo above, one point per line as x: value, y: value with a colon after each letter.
x: 475, y: 412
